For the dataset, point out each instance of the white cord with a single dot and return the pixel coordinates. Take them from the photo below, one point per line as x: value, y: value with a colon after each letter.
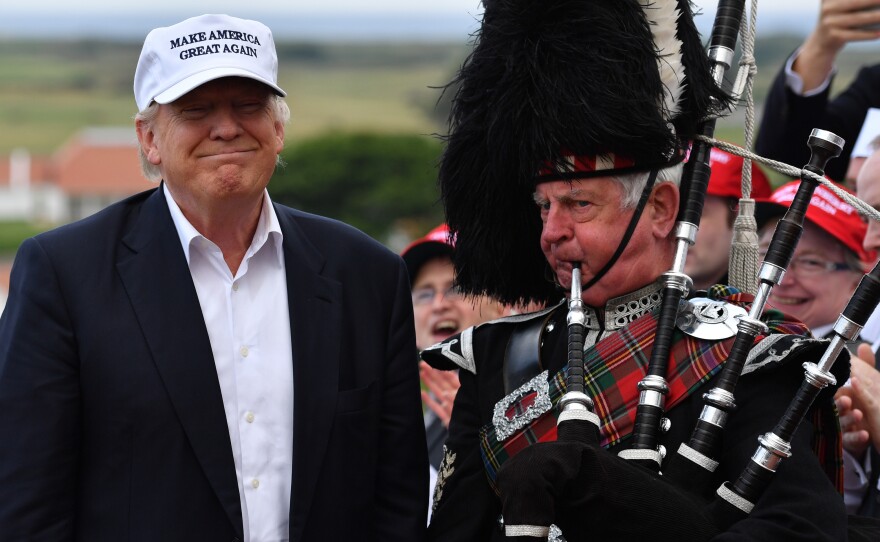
x: 863, y: 208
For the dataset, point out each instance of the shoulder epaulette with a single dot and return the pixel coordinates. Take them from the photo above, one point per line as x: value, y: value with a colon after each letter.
x: 457, y: 352
x: 775, y: 349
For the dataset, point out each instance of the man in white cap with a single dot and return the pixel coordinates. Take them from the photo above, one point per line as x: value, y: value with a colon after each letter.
x: 198, y: 363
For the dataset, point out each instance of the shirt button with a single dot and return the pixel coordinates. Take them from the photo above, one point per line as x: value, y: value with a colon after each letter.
x: 249, y: 417
x: 255, y: 483
x: 243, y: 351
x: 234, y: 286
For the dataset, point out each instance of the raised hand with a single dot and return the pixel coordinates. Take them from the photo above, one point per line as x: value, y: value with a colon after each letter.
x: 865, y: 383
x: 840, y: 22
x: 443, y: 386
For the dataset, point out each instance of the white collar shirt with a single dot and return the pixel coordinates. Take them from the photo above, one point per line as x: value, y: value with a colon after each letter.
x: 248, y: 325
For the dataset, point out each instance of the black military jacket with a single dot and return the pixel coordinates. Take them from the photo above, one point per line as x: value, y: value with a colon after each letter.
x: 801, y: 504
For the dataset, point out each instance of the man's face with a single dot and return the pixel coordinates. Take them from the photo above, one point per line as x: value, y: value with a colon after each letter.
x: 868, y: 190
x: 583, y: 222
x: 445, y: 313
x: 707, y: 259
x: 815, y: 298
x: 215, y: 145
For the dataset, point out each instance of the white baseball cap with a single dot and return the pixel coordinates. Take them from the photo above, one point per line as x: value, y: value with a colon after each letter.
x: 176, y: 59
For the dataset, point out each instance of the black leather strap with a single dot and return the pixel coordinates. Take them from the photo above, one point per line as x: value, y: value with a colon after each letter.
x: 522, y: 357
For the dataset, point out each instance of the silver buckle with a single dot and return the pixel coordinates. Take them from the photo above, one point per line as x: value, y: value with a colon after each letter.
x: 506, y: 426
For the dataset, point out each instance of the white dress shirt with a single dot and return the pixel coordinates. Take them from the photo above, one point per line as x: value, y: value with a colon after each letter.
x: 796, y: 84
x: 249, y: 328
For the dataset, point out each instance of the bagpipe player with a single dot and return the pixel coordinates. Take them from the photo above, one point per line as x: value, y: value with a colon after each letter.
x: 565, y: 152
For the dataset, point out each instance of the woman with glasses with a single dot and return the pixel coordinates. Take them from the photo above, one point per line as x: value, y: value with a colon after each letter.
x: 828, y: 262
x: 826, y: 267
x: 440, y: 312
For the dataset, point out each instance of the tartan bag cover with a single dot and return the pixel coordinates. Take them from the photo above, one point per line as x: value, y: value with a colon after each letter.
x: 615, y: 365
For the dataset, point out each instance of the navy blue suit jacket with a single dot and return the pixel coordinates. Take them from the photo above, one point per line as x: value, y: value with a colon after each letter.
x: 789, y: 118
x: 110, y: 407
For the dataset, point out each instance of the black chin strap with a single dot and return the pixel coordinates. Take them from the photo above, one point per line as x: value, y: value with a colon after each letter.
x: 633, y: 222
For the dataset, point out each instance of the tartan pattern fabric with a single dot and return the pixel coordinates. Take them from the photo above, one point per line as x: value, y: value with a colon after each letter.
x: 616, y: 364
x: 828, y: 444
x: 583, y: 164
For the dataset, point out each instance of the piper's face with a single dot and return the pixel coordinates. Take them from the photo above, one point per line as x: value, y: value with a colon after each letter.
x: 583, y: 222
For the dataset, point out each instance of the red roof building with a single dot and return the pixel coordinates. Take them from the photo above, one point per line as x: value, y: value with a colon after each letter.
x: 96, y: 167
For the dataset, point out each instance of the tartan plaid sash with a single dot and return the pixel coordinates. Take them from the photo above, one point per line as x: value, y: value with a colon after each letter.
x: 615, y: 365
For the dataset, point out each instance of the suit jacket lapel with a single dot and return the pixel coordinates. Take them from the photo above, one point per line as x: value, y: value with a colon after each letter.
x: 315, y: 304
x: 154, y: 271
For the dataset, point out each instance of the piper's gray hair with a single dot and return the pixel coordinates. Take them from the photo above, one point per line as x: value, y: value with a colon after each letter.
x: 632, y: 184
x: 279, y: 107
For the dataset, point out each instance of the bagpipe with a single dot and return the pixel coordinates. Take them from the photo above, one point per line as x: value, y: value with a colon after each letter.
x: 576, y: 475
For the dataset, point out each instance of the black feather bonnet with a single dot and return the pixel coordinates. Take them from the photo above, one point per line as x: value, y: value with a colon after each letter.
x: 548, y: 80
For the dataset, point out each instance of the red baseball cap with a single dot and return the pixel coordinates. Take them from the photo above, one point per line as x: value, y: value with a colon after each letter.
x: 827, y: 211
x: 437, y: 242
x: 726, y: 178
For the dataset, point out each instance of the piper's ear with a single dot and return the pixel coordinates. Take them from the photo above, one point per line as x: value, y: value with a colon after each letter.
x: 663, y: 208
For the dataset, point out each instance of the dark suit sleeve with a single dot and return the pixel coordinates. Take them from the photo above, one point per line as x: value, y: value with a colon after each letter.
x: 402, y: 483
x: 846, y: 114
x: 40, y: 404
x: 788, y: 119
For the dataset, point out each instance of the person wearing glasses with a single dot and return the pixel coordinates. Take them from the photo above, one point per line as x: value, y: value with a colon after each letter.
x: 440, y: 312
x: 826, y: 267
x: 828, y: 262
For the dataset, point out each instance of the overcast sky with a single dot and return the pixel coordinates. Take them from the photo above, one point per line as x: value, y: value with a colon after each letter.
x: 322, y: 19
x: 318, y: 6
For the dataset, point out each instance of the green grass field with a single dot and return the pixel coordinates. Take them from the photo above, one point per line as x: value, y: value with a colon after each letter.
x: 50, y: 90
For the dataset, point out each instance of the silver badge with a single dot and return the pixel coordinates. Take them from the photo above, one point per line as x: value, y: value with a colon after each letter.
x: 709, y: 319
x: 447, y: 467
